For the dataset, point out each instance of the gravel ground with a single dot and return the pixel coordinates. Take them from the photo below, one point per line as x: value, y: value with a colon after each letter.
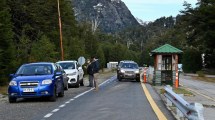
x: 28, y: 109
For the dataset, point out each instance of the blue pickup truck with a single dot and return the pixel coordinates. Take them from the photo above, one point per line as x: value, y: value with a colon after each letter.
x: 42, y: 79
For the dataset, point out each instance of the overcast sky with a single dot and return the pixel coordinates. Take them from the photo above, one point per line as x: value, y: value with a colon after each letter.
x: 150, y: 10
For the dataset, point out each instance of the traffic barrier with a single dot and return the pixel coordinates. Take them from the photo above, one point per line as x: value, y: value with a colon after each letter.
x: 191, y: 111
x: 144, y: 75
x: 176, y: 80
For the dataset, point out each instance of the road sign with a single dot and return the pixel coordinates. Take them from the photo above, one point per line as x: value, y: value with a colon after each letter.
x: 81, y: 60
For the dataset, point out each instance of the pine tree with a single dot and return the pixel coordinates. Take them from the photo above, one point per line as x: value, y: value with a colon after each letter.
x: 101, y: 57
x: 6, y: 40
x: 43, y: 50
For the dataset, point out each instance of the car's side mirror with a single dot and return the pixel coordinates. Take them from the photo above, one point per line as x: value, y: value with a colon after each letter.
x: 12, y: 76
x: 79, y: 68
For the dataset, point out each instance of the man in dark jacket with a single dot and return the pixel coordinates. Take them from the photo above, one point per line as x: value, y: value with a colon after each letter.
x: 95, y: 65
x: 90, y: 73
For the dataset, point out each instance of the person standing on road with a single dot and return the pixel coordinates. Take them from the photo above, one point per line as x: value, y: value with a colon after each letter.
x: 95, y: 65
x: 90, y: 73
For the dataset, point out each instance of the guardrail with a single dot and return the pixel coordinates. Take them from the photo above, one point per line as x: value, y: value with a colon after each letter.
x: 191, y: 111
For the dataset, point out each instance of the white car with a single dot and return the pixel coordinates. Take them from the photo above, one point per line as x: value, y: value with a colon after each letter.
x: 74, y: 72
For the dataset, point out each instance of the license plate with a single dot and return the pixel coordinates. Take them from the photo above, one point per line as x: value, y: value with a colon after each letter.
x: 28, y: 89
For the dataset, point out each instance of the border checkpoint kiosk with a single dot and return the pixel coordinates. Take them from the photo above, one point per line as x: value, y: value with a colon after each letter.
x: 166, y: 65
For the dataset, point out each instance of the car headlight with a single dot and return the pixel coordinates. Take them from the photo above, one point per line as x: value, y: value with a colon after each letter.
x: 13, y: 83
x: 74, y: 73
x: 122, y: 71
x: 137, y: 71
x: 46, y: 82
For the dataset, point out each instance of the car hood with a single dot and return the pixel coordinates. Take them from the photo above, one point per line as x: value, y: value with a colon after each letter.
x: 32, y: 78
x: 68, y: 71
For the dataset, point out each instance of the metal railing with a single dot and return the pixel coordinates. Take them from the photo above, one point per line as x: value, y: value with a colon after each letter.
x: 191, y: 111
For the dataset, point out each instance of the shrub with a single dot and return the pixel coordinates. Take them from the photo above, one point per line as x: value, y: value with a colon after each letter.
x: 200, y: 73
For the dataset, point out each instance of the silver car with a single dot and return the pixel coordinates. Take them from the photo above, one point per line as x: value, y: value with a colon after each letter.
x: 129, y: 70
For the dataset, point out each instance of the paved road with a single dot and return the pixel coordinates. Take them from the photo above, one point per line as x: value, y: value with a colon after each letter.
x: 117, y: 101
x: 201, y: 88
x: 114, y: 101
x: 204, y: 93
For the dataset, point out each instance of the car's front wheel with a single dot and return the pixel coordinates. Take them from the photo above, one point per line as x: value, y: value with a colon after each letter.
x: 138, y: 79
x: 54, y: 96
x: 77, y: 83
x: 120, y: 79
x: 11, y: 99
x: 82, y: 82
x: 66, y: 87
x: 61, y: 94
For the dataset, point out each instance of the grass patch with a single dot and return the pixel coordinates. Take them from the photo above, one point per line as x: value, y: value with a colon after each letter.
x: 3, y: 90
x: 200, y: 73
x: 182, y: 91
x: 179, y: 91
x: 206, y: 79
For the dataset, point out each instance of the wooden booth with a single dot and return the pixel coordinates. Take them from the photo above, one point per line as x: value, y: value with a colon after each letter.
x: 165, y: 64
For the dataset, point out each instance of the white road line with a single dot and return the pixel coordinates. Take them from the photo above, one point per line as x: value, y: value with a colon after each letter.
x: 104, y: 83
x: 48, y: 115
x: 62, y: 105
x: 55, y: 110
x: 77, y: 96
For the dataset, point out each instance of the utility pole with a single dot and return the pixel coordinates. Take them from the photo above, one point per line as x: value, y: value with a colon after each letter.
x: 60, y: 27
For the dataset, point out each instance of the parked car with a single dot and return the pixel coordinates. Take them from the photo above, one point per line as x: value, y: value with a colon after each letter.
x: 74, y: 72
x: 43, y: 79
x: 129, y: 70
x: 65, y: 77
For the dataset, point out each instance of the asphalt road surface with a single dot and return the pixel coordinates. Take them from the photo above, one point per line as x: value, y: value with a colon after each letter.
x: 114, y: 101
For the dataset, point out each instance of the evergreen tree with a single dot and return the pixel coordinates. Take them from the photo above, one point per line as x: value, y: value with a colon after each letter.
x: 192, y: 60
x: 200, y: 28
x: 6, y: 40
x: 101, y: 57
x: 43, y: 50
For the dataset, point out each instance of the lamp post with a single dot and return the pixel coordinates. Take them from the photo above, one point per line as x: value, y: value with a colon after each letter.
x: 95, y: 23
x: 60, y: 30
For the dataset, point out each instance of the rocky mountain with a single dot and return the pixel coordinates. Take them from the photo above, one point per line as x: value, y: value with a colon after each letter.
x: 109, y: 15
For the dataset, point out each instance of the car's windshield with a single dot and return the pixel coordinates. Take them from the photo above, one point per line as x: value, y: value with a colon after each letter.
x: 130, y: 65
x: 67, y: 65
x: 35, y: 69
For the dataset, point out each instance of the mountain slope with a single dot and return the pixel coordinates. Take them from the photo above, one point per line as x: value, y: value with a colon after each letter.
x: 114, y: 17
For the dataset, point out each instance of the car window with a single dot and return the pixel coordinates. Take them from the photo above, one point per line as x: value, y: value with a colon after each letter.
x: 130, y: 65
x: 67, y: 65
x: 36, y: 69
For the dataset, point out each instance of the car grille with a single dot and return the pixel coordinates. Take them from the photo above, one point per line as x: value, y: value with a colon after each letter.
x: 129, y: 72
x: 29, y: 84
